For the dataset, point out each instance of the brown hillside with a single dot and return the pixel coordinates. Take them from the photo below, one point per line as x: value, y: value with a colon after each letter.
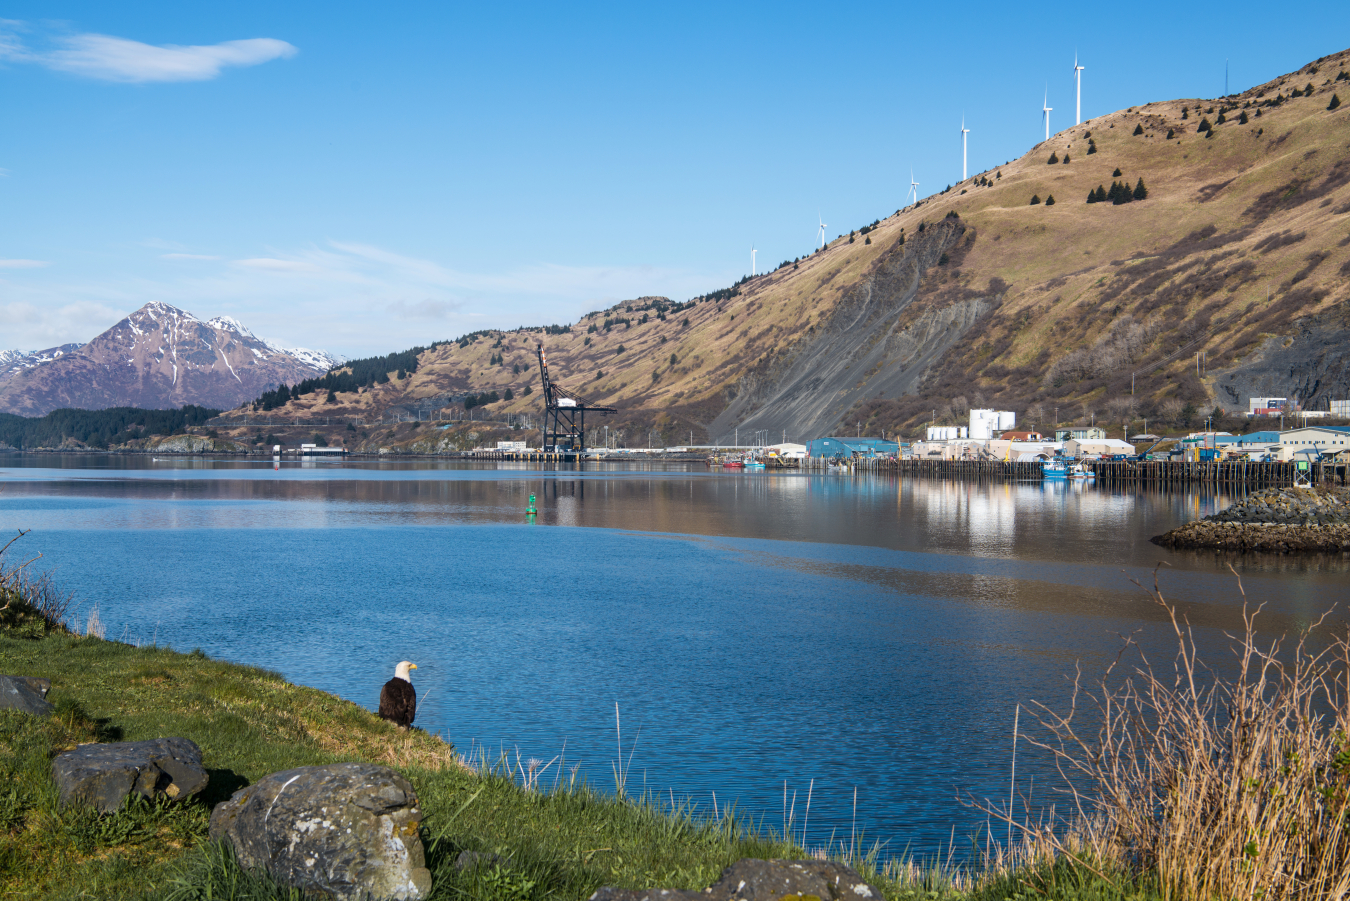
x: 1229, y: 279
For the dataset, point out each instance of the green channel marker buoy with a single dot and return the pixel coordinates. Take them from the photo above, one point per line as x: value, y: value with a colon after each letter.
x: 530, y: 510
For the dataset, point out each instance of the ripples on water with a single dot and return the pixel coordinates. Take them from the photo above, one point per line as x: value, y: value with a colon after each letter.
x: 759, y: 628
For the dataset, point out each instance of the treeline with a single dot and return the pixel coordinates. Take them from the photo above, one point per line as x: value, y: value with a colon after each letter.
x: 354, y: 375
x: 98, y: 428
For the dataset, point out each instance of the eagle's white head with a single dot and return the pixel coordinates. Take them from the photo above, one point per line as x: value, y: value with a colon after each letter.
x: 401, y: 671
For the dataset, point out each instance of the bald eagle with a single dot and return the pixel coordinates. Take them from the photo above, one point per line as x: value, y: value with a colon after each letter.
x: 398, y: 699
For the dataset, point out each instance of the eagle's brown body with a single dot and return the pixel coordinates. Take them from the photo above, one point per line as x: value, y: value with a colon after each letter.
x: 398, y: 701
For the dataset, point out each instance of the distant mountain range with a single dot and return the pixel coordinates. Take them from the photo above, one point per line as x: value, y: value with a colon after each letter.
x: 159, y: 357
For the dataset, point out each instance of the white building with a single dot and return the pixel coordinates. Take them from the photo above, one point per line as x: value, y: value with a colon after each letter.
x: 946, y: 433
x: 1327, y: 439
x: 985, y: 424
x: 1097, y: 447
x: 1340, y: 408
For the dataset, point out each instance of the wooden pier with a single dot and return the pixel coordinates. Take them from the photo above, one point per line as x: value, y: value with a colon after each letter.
x: 1237, y: 474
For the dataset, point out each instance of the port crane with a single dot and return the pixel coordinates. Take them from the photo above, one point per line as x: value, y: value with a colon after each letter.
x: 564, y: 413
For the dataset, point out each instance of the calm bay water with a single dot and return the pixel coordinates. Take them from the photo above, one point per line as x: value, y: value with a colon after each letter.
x: 759, y: 629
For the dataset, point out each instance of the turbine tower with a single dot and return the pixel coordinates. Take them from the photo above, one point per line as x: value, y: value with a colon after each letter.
x: 752, y: 260
x: 1045, y: 112
x: 1078, y: 83
x: 913, y: 186
x: 964, y: 131
x: 822, y: 232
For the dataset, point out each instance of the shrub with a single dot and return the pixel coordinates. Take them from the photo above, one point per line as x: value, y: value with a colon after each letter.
x: 1184, y: 113
x: 1242, y: 119
x: 674, y: 359
x: 1117, y: 173
x: 1140, y: 192
x: 1035, y: 199
x: 1092, y: 147
x: 1204, y: 126
x: 1054, y: 158
x: 1222, y: 118
x: 1335, y: 102
x: 867, y: 240
x: 944, y: 259
x: 1050, y: 200
x: 1139, y: 129
x: 620, y: 349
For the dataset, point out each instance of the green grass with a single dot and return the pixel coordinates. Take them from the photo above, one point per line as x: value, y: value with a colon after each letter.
x: 249, y: 722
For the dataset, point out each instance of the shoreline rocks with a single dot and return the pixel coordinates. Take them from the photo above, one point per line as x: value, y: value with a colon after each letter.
x: 26, y: 693
x: 765, y: 880
x: 1277, y: 521
x: 105, y: 774
x: 342, y: 831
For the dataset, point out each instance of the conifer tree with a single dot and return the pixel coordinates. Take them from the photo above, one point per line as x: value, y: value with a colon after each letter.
x: 1204, y: 126
x: 1140, y: 192
x: 1054, y: 158
x: 1116, y: 174
x: 1242, y: 119
x: 1050, y: 200
x: 1035, y: 199
x: 1066, y: 157
x: 1184, y: 113
x: 1222, y: 118
x: 1335, y: 102
x: 1092, y: 147
x: 1171, y: 134
x: 1139, y: 129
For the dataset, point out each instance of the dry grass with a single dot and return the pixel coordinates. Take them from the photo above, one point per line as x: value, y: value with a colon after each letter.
x: 1216, y: 786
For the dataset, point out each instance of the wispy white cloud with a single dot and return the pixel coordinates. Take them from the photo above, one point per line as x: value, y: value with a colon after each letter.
x: 111, y: 58
x: 23, y: 264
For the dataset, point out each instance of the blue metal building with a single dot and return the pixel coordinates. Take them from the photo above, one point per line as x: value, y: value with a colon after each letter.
x: 847, y: 447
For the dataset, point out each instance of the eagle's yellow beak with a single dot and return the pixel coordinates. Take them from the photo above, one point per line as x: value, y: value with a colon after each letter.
x: 412, y: 666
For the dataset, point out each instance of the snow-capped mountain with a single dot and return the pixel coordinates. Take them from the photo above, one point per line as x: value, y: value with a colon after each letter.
x: 158, y: 357
x: 13, y: 362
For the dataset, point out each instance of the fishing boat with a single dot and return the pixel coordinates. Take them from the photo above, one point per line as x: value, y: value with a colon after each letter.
x: 1055, y: 469
x: 1081, y: 472
x: 754, y: 464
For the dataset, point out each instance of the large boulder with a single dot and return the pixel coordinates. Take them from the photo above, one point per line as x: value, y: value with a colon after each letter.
x: 343, y: 831
x: 25, y: 693
x: 765, y: 880
x: 104, y: 774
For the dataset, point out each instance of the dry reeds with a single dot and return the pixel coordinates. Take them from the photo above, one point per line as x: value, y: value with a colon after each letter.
x: 1205, y: 784
x: 28, y: 600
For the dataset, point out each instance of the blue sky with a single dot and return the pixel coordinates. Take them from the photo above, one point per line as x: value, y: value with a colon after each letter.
x: 361, y: 178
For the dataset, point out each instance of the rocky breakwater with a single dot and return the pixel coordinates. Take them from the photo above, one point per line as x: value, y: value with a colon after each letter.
x: 1277, y: 520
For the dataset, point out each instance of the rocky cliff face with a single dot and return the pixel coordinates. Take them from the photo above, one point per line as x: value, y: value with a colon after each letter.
x: 158, y: 357
x: 13, y: 362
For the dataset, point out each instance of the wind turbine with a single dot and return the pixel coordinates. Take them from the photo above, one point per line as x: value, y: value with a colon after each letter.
x: 1078, y: 83
x: 1045, y: 112
x: 752, y: 260
x: 822, y: 232
x: 964, y: 131
x: 913, y: 185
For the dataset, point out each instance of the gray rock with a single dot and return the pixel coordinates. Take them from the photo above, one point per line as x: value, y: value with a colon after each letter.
x: 765, y: 880
x: 25, y: 693
x: 342, y: 831
x: 104, y: 774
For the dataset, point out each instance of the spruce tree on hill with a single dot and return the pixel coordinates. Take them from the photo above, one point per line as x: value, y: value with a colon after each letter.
x: 1335, y: 102
x: 1050, y: 200
x: 1066, y: 157
x: 1139, y: 129
x: 508, y: 395
x: 1242, y: 119
x: 1140, y: 192
x: 1092, y: 147
x: 1222, y: 118
x: 1101, y: 194
x: 1204, y: 126
x: 1092, y: 196
x: 1117, y: 173
x: 1184, y: 113
x: 1171, y: 134
x: 1035, y: 199
x: 1054, y: 158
